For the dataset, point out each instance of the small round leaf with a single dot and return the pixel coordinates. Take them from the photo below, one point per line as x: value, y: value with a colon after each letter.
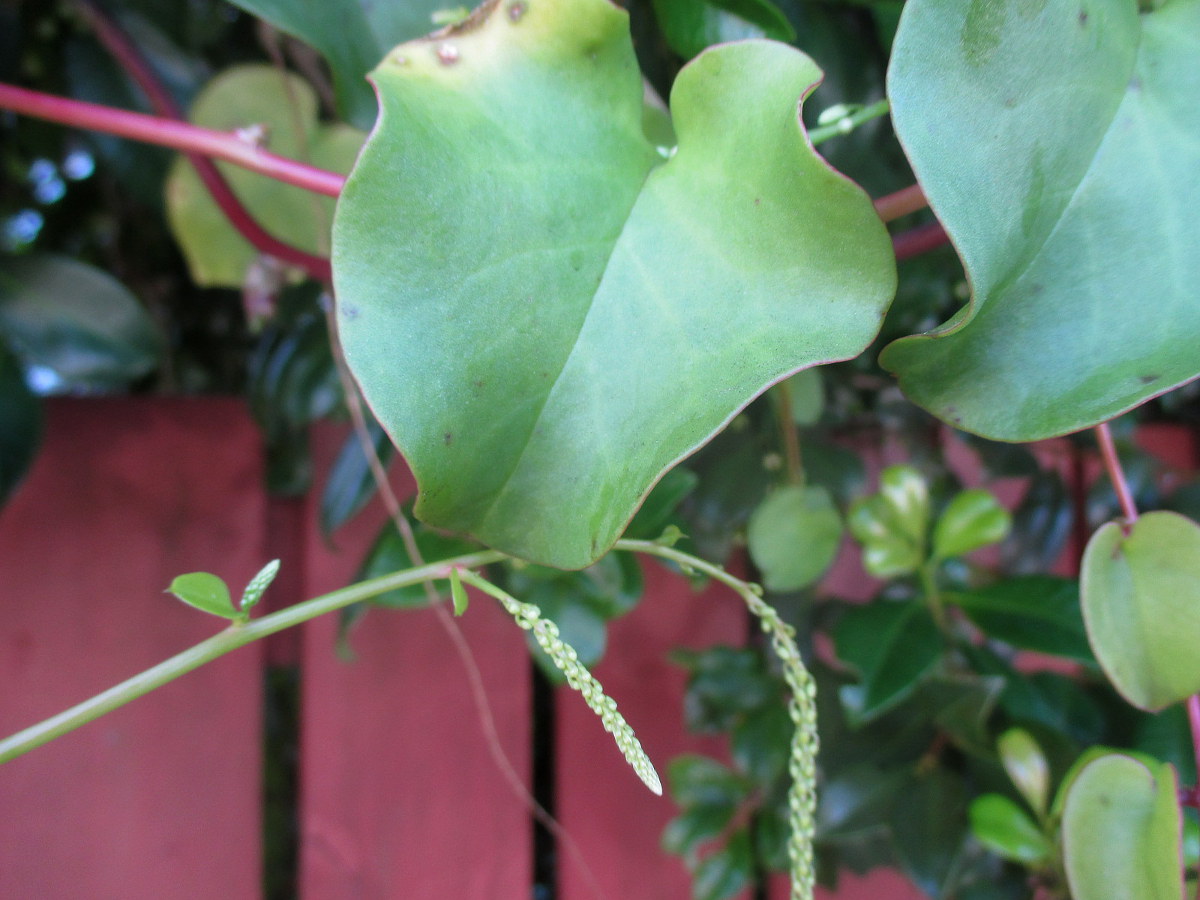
x: 1140, y: 593
x: 972, y: 520
x: 794, y: 536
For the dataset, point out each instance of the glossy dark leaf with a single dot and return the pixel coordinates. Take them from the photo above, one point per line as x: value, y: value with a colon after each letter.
x: 20, y: 424
x: 696, y: 780
x: 692, y: 25
x: 1036, y: 612
x: 892, y: 646
x: 761, y: 743
x: 74, y: 328
x: 1041, y: 525
x: 695, y: 826
x: 351, y: 484
x: 352, y: 35
x: 660, y: 506
x: 725, y: 683
x: 388, y: 555
x: 726, y: 872
x: 929, y: 824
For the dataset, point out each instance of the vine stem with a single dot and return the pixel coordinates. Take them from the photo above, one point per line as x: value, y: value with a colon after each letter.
x: 233, y: 637
x: 1112, y: 465
x: 921, y: 239
x: 901, y: 203
x: 849, y: 122
x: 182, y: 136
x: 127, y: 55
x: 802, y: 761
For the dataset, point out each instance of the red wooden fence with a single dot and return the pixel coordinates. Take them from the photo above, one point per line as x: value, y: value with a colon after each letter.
x: 400, y: 795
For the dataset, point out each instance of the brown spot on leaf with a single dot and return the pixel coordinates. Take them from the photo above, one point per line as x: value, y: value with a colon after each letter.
x: 1148, y: 379
x: 448, y: 438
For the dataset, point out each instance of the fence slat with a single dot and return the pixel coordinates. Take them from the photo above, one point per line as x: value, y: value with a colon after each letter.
x: 160, y: 798
x: 400, y: 797
x: 615, y: 822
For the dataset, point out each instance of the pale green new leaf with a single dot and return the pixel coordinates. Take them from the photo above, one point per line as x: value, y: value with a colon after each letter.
x: 1057, y: 142
x: 1121, y: 831
x: 286, y: 108
x: 1140, y: 595
x: 542, y: 313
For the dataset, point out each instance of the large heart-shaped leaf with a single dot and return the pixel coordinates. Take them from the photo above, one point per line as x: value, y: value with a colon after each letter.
x: 286, y: 108
x: 352, y: 35
x: 1056, y: 141
x: 1140, y: 594
x: 542, y: 316
x: 1121, y: 831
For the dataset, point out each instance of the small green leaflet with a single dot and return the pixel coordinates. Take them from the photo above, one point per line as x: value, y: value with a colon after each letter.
x: 205, y: 592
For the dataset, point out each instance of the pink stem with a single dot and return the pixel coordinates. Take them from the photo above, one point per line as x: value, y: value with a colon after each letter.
x: 1112, y: 465
x: 1193, y: 708
x: 118, y: 44
x: 901, y: 203
x: 921, y: 239
x: 168, y: 133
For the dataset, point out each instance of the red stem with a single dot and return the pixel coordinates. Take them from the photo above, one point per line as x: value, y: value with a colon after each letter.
x: 126, y: 53
x: 901, y: 203
x: 1112, y: 465
x: 1193, y: 708
x: 196, y: 142
x: 169, y: 133
x: 921, y: 239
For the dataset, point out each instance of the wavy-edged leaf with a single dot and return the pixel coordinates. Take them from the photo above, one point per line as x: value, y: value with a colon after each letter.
x: 1140, y: 593
x: 1121, y: 831
x: 1056, y: 141
x: 543, y: 317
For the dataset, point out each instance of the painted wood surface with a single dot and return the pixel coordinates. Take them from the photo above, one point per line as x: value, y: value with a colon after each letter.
x: 401, y: 795
x: 160, y: 799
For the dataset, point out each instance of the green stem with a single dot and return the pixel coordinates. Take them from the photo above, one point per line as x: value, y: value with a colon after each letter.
x: 218, y: 645
x: 802, y: 763
x: 782, y: 395
x: 933, y: 597
x: 848, y: 123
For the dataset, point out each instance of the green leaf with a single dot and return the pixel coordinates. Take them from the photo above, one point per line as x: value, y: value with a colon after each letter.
x: 352, y: 35
x: 687, y: 832
x: 893, y: 646
x: 286, y: 107
x: 1067, y: 190
x: 74, y: 328
x: 21, y: 420
x: 692, y: 25
x: 655, y: 514
x: 1034, y: 612
x: 699, y: 781
x: 351, y: 483
x: 458, y: 593
x: 1121, y: 831
x: 258, y: 586
x: 205, y: 592
x: 760, y: 744
x: 892, y: 524
x: 794, y: 536
x: 929, y: 824
x: 724, y: 684
x: 1140, y: 594
x: 1006, y: 829
x: 390, y: 555
x: 540, y: 384
x: 971, y: 520
x: 1026, y: 765
x: 807, y: 391
x: 726, y: 872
